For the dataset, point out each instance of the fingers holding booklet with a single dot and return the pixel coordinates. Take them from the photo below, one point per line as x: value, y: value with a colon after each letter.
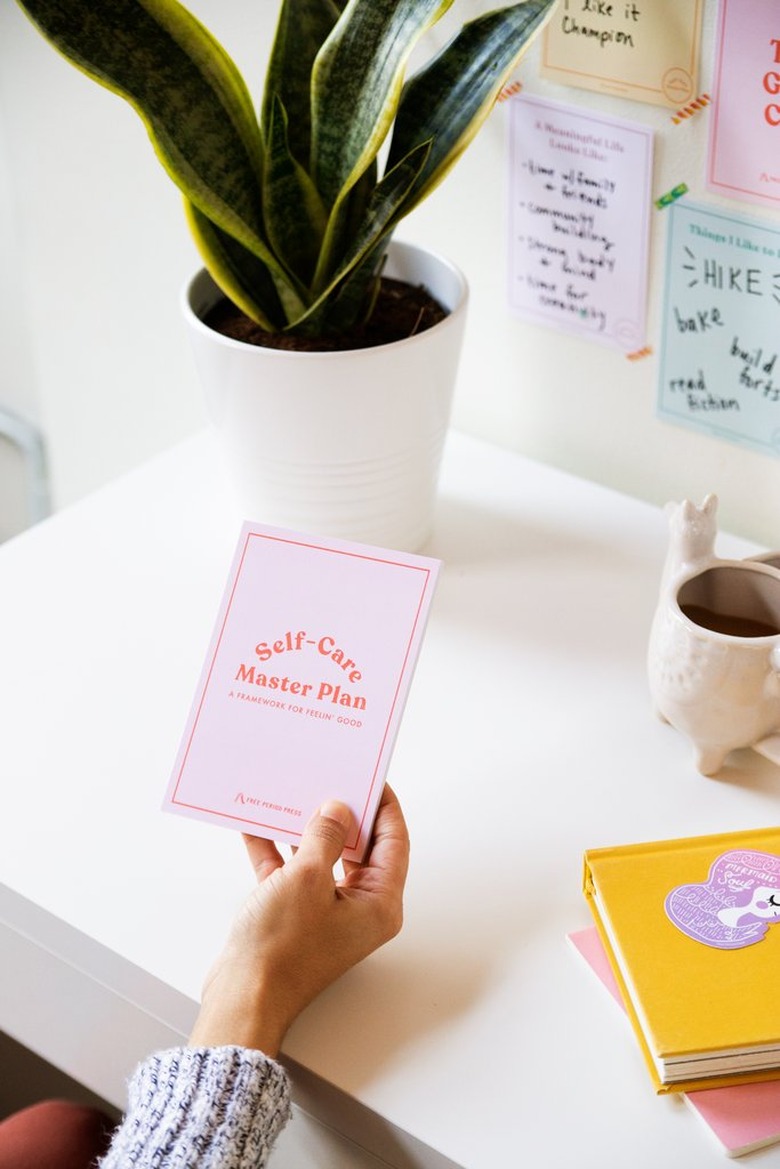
x: 303, y: 926
x: 303, y: 686
x: 223, y: 1098
x: 299, y: 701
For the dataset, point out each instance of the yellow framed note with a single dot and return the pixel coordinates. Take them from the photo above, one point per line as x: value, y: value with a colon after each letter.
x: 646, y: 50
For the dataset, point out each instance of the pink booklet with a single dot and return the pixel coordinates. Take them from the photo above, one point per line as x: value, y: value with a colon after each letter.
x: 304, y: 684
x: 742, y: 1117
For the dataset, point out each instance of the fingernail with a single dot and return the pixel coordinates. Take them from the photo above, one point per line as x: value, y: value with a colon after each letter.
x: 335, y: 810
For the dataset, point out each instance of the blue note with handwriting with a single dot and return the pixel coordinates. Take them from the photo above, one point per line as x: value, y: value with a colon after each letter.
x: 720, y: 350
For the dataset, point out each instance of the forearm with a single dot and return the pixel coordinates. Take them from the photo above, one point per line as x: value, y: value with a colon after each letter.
x: 241, y: 1006
x: 221, y: 1108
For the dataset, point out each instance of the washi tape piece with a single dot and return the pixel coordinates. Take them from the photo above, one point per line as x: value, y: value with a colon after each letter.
x: 670, y: 196
x: 510, y: 90
x: 688, y: 111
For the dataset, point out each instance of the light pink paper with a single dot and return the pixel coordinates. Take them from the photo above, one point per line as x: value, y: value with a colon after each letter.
x: 743, y: 1117
x: 304, y: 684
x: 579, y: 221
x: 744, y: 145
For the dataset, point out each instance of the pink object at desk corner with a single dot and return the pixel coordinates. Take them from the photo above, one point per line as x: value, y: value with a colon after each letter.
x: 742, y: 1118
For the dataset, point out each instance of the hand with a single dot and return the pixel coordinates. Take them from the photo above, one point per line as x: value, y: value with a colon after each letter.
x: 301, y: 929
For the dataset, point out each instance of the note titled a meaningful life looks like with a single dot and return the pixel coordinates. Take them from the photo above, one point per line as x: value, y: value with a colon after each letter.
x: 720, y: 357
x: 579, y: 216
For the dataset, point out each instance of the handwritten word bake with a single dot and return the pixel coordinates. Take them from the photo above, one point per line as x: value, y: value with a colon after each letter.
x: 701, y: 321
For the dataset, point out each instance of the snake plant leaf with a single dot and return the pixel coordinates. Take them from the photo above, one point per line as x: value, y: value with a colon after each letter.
x: 303, y: 26
x: 259, y: 289
x: 344, y: 221
x: 351, y: 301
x: 288, y: 213
x: 356, y: 83
x: 388, y: 195
x: 448, y: 100
x: 187, y: 91
x: 295, y: 218
x: 242, y: 277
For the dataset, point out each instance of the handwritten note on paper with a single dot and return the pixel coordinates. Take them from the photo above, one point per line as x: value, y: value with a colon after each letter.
x: 579, y: 205
x: 720, y: 363
x: 744, y: 145
x: 647, y: 50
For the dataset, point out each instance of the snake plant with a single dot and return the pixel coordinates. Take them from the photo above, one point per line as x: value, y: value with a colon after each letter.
x: 288, y: 208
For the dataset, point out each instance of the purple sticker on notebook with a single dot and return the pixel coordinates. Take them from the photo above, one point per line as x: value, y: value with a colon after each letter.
x: 735, y: 906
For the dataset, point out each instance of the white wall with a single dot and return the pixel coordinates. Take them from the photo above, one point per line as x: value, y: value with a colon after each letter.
x: 103, y: 252
x: 18, y: 399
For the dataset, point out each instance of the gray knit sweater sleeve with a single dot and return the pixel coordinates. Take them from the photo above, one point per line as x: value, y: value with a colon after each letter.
x: 210, y: 1108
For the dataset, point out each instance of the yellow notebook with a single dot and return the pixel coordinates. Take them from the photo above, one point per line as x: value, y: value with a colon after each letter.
x: 692, y: 929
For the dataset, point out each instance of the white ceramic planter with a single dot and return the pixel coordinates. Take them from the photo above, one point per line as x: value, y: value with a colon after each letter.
x: 340, y: 444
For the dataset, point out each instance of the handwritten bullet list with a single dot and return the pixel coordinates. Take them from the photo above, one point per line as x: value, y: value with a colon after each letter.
x: 579, y: 214
x: 568, y: 267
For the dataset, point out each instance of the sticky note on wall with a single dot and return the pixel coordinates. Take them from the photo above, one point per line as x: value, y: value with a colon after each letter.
x: 647, y: 50
x: 578, y: 221
x: 744, y: 144
x: 719, y: 369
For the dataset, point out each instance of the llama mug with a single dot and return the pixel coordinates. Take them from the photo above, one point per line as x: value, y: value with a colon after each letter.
x: 714, y: 652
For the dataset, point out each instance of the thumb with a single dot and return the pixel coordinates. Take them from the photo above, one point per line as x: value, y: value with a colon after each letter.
x: 326, y: 833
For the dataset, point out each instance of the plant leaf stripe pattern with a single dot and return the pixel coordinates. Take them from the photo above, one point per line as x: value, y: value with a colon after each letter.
x: 197, y: 120
x: 289, y: 211
x: 447, y: 101
x: 356, y: 83
x: 303, y: 27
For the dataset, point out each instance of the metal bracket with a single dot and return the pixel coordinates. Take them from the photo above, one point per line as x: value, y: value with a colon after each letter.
x: 28, y: 439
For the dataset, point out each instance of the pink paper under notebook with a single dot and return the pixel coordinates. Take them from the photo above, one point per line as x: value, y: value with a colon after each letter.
x: 304, y: 684
x: 742, y: 1118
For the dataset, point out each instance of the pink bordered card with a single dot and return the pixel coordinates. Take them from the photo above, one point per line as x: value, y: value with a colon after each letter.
x: 304, y: 684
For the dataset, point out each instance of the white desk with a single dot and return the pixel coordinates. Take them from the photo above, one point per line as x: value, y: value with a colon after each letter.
x: 477, y: 1037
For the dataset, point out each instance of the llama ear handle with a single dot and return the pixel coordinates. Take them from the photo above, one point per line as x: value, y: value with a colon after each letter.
x: 710, y: 504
